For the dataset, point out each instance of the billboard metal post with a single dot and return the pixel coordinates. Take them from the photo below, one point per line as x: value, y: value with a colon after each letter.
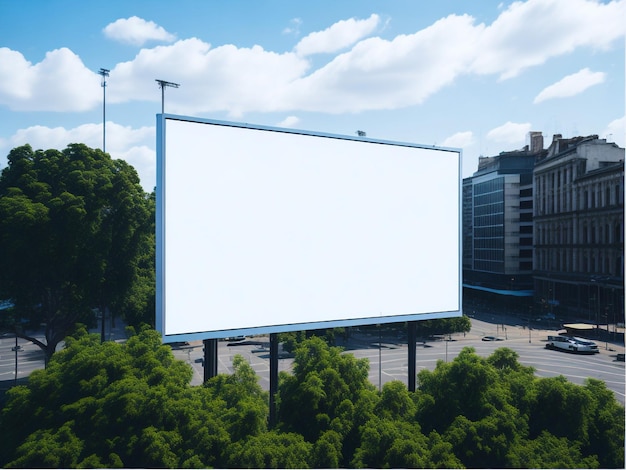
x: 210, y: 358
x: 273, y: 377
x: 412, y: 343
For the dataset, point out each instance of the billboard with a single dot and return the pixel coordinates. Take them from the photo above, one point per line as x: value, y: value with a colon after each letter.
x: 263, y: 230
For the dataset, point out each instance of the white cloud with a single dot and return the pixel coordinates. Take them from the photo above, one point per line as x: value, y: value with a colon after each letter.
x: 375, y: 74
x: 381, y: 74
x: 289, y: 121
x: 136, y: 146
x: 338, y: 36
x: 571, y: 85
x: 201, y: 70
x: 136, y: 31
x: 529, y: 33
x: 459, y: 140
x: 616, y: 131
x: 510, y: 133
x: 60, y: 82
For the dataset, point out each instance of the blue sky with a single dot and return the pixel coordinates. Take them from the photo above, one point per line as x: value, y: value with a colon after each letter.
x: 478, y: 75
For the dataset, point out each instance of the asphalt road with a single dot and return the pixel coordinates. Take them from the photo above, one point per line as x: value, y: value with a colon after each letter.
x: 29, y: 358
x: 388, y: 362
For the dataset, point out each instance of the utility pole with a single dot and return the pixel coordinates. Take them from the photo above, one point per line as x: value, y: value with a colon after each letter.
x: 162, y: 85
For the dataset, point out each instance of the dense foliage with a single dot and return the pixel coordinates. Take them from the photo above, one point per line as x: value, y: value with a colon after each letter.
x: 113, y: 405
x: 77, y: 235
x: 444, y: 326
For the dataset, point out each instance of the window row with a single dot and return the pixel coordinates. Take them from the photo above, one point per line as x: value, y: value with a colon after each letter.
x: 576, y: 261
x: 489, y: 232
x: 495, y: 208
x: 489, y: 243
x: 596, y: 196
x: 592, y: 233
x: 489, y: 220
x: 493, y: 185
x: 489, y: 266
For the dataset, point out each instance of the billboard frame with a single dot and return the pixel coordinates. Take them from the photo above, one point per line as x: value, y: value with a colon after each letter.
x: 161, y: 240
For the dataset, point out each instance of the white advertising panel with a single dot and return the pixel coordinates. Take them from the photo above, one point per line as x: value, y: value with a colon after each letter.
x: 263, y: 230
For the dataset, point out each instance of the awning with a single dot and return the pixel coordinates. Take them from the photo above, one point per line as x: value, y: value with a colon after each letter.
x: 514, y: 293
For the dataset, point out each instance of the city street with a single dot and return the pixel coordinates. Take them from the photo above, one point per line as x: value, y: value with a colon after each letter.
x: 394, y: 356
x: 388, y: 362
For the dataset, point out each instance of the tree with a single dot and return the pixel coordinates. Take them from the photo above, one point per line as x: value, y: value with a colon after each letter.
x: 548, y: 451
x: 271, y: 449
x: 458, y: 387
x: 110, y: 404
x: 444, y: 326
x: 606, y: 427
x: 322, y: 392
x: 71, y: 226
x: 395, y: 443
x: 245, y: 404
x: 138, y: 307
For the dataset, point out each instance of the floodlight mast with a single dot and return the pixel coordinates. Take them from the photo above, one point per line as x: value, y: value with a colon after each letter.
x: 162, y: 85
x: 104, y: 73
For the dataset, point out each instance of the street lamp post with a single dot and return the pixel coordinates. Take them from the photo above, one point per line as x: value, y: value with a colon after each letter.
x: 162, y: 85
x: 104, y: 73
x: 530, y: 314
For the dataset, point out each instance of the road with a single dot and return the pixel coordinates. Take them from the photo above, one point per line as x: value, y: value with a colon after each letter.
x: 394, y: 356
x: 393, y: 364
x: 29, y: 356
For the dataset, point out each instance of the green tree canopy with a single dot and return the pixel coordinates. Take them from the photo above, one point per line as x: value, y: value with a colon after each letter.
x: 130, y: 405
x: 323, y: 390
x: 110, y: 404
x: 444, y: 326
x: 72, y: 224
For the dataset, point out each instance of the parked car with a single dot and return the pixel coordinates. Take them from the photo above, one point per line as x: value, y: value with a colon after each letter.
x: 491, y: 338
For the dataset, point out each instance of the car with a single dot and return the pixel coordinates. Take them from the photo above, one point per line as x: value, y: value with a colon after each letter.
x: 572, y: 344
x: 491, y: 338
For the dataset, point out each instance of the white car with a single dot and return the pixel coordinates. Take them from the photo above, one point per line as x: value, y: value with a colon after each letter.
x: 572, y: 343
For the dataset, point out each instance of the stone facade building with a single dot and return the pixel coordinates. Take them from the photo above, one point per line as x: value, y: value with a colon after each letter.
x: 579, y: 229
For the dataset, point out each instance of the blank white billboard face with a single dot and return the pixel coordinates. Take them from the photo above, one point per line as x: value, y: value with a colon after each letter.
x: 266, y: 230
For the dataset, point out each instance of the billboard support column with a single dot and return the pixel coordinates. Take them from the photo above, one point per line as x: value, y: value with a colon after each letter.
x: 210, y: 358
x: 273, y: 377
x: 412, y: 340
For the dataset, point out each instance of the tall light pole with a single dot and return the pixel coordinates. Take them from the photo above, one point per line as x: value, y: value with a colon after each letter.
x: 162, y: 85
x: 104, y: 73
